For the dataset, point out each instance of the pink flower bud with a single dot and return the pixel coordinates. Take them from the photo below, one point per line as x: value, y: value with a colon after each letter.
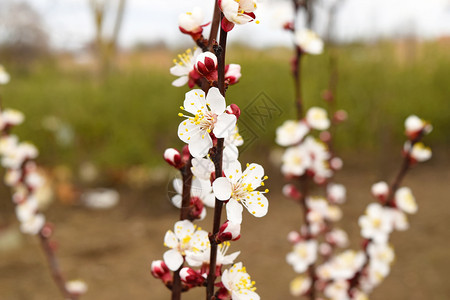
x: 325, y: 136
x: 160, y: 270
x: 232, y: 73
x: 327, y: 95
x: 340, y: 116
x: 325, y: 249
x: 191, y: 277
x: 294, y: 237
x: 173, y: 157
x: 290, y: 191
x: 233, y: 109
x: 206, y: 65
x: 380, y: 190
x: 229, y: 232
x: 289, y: 26
x: 336, y: 163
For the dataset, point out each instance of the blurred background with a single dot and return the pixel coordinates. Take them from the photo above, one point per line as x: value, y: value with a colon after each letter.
x: 92, y: 78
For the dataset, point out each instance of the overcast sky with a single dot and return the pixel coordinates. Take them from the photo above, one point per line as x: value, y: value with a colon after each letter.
x: 70, y: 25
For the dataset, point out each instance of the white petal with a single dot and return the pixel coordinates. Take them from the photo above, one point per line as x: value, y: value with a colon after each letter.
x: 244, y: 295
x: 234, y: 211
x: 173, y: 259
x: 222, y: 188
x: 202, y: 168
x: 210, y: 200
x: 176, y: 201
x: 225, y: 125
x: 184, y: 228
x: 178, y: 185
x: 200, y: 144
x: 180, y: 81
x: 195, y: 101
x: 230, y: 154
x: 253, y: 175
x: 179, y: 70
x: 233, y: 171
x: 170, y: 239
x: 257, y: 205
x: 215, y: 100
x: 187, y: 130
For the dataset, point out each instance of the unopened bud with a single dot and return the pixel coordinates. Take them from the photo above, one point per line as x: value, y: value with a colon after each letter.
x: 233, y: 109
x: 325, y: 249
x: 327, y: 95
x: 340, y: 116
x: 229, y: 232
x: 290, y: 191
x: 191, y: 277
x: 160, y: 270
x: 336, y: 163
x: 206, y: 65
x: 173, y: 157
x: 294, y: 237
x: 325, y: 136
x: 415, y: 126
x: 232, y: 73
x: 380, y: 190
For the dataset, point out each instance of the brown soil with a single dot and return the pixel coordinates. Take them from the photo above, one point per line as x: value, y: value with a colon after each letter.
x: 112, y: 250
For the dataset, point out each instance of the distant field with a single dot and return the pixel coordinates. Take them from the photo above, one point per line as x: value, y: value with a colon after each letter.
x: 130, y: 117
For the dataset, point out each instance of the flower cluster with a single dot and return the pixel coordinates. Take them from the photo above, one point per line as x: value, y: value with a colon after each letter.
x: 25, y: 179
x: 211, y: 174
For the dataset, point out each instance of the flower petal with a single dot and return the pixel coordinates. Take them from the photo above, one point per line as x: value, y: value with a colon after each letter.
x: 187, y: 130
x: 257, y: 205
x: 215, y: 100
x: 225, y: 125
x: 222, y: 188
x: 234, y: 211
x: 173, y: 259
x: 170, y: 239
x: 183, y: 228
x: 176, y: 200
x: 253, y: 175
x: 233, y: 171
x: 200, y: 144
x: 180, y: 81
x: 195, y: 101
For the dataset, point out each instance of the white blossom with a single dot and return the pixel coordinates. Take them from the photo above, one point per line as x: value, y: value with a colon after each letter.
x: 303, y: 254
x: 240, y: 188
x: 208, y: 116
x: 291, y: 132
x: 239, y: 284
x: 308, y: 41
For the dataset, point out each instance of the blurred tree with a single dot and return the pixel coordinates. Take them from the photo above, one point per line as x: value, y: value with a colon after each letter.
x: 108, y: 22
x: 23, y: 39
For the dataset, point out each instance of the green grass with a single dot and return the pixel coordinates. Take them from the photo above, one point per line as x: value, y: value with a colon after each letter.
x: 131, y: 116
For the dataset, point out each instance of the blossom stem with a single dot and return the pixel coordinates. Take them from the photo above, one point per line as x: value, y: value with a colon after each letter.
x: 186, y: 174
x: 214, y: 25
x: 297, y: 66
x: 185, y: 214
x: 217, y: 159
x: 54, y: 267
x: 176, y: 285
x: 304, y: 189
x: 406, y: 165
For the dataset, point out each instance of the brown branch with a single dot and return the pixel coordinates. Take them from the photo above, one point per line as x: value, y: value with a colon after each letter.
x: 217, y: 158
x: 54, y: 267
x: 214, y: 25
